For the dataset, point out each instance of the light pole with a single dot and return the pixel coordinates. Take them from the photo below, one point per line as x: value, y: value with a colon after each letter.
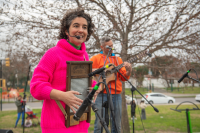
x: 150, y: 73
x: 1, y: 75
x: 16, y: 75
x: 7, y: 63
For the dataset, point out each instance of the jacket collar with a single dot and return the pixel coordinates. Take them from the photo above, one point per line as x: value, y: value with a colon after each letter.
x: 67, y: 46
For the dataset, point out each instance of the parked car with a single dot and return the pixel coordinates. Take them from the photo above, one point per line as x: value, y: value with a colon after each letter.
x: 158, y: 98
x: 197, y: 98
x: 129, y: 99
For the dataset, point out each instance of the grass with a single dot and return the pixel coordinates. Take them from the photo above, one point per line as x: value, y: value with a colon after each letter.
x: 141, y: 90
x: 8, y: 119
x: 166, y: 120
x: 184, y: 90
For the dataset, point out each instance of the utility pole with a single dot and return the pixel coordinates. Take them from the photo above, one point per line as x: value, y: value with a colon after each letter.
x: 150, y: 73
x: 1, y: 75
x: 7, y: 64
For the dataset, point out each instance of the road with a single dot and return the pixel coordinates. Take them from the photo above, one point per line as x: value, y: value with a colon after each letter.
x: 38, y: 105
x: 12, y: 106
x: 179, y: 100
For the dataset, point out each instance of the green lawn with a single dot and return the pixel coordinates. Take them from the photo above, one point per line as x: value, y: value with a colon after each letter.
x: 166, y: 120
x: 8, y: 119
x: 141, y: 90
x: 184, y: 90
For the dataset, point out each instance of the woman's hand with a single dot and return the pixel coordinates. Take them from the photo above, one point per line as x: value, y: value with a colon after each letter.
x: 71, y: 100
x: 68, y: 98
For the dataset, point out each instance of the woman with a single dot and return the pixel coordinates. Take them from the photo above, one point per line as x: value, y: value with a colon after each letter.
x: 19, y: 104
x: 49, y: 79
x: 143, y: 106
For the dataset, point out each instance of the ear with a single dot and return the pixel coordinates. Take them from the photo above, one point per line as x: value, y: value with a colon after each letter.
x: 66, y: 32
x: 102, y: 47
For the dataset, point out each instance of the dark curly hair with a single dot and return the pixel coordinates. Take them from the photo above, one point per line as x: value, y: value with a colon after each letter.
x: 69, y: 17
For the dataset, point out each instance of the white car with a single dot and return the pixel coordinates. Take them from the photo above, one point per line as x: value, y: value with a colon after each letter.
x: 197, y: 98
x: 158, y: 98
x: 129, y: 99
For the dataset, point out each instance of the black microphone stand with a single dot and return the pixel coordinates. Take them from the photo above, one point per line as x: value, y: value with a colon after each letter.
x: 110, y: 103
x: 103, y: 123
x: 133, y: 88
x: 105, y: 105
x: 88, y: 102
x: 24, y: 98
x: 190, y: 77
x: 108, y: 96
x: 193, y: 79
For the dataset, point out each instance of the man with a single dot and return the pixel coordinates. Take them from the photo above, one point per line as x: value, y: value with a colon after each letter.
x: 115, y: 88
x: 20, y: 111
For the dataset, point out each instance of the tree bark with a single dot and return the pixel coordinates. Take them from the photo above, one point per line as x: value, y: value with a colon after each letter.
x: 124, y: 118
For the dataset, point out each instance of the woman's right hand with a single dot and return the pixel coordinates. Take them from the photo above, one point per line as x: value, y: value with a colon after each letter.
x: 71, y: 100
x: 68, y: 98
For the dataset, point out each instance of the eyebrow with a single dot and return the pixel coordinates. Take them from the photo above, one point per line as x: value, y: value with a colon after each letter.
x: 79, y: 24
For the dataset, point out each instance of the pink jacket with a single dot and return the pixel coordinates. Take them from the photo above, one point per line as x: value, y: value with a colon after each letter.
x: 51, y: 74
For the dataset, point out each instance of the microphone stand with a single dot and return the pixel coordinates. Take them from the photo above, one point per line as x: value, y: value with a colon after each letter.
x: 105, y: 61
x: 133, y: 88
x: 24, y: 98
x: 110, y: 103
x: 106, y: 107
x: 88, y: 102
x: 103, y: 123
x: 193, y: 79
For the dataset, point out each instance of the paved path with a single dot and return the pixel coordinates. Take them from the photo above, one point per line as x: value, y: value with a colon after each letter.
x: 12, y: 106
x: 38, y: 105
x: 175, y: 95
x: 179, y: 95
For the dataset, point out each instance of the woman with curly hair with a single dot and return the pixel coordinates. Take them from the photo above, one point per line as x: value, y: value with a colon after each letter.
x: 49, y: 78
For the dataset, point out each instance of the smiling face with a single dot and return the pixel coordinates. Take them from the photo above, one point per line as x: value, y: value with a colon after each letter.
x: 78, y: 27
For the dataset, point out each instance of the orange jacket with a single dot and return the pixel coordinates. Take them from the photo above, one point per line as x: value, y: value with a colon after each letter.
x: 98, y: 62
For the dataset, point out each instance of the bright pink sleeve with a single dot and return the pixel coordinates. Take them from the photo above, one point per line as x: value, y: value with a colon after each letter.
x: 40, y: 86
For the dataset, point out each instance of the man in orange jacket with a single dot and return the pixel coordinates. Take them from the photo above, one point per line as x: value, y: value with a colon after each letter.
x: 115, y: 88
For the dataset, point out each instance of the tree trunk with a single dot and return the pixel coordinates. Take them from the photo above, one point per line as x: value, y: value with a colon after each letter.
x: 124, y: 118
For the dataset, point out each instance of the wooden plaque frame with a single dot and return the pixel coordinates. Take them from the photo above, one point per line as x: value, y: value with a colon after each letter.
x: 78, y: 80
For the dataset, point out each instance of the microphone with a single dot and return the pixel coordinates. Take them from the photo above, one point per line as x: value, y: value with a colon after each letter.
x: 78, y: 37
x: 108, y: 47
x: 99, y: 70
x: 185, y: 75
x: 85, y: 103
